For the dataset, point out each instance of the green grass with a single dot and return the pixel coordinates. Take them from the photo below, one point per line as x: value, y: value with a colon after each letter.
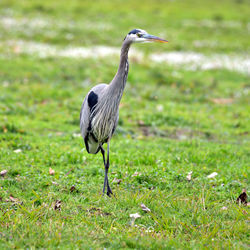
x: 169, y: 125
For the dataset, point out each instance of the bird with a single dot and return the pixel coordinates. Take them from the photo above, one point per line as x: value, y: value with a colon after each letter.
x: 99, y: 113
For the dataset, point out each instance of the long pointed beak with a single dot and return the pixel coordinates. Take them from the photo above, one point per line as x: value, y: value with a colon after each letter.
x: 152, y: 38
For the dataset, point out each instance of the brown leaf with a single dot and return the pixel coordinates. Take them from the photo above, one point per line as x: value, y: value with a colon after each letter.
x: 144, y: 208
x: 242, y: 199
x: 244, y: 211
x: 72, y: 189
x: 51, y: 171
x: 3, y: 173
x: 222, y: 100
x: 117, y: 181
x: 58, y: 205
x: 13, y: 199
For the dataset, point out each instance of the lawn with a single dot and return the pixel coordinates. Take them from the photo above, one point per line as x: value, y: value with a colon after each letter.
x: 174, y: 119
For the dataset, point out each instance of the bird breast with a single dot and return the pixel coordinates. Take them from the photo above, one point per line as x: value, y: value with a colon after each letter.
x: 104, y: 119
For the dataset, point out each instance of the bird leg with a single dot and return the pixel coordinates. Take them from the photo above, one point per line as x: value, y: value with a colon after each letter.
x: 109, y: 191
x: 106, y: 165
x: 105, y: 179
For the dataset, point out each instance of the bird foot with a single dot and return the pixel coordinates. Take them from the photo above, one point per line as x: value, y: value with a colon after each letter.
x: 109, y: 191
x: 106, y: 184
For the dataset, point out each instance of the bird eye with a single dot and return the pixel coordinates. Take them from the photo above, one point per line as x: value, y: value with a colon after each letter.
x: 139, y: 35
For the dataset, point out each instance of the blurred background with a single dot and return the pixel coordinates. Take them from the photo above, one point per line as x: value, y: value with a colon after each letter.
x: 53, y: 52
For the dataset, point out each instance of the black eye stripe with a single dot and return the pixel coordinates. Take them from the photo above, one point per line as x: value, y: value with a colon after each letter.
x: 135, y: 31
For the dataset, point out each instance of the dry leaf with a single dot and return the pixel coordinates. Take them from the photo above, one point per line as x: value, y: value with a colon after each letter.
x: 13, y: 199
x: 222, y: 100
x: 51, y: 171
x: 135, y: 216
x: 212, y: 175
x: 242, y: 199
x: 72, y: 189
x: 18, y: 151
x: 3, y: 173
x: 189, y: 176
x: 58, y: 205
x: 117, y: 181
x: 144, y: 208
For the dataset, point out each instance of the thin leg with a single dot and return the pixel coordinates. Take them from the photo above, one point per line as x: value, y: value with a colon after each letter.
x: 105, y: 179
x: 109, y: 191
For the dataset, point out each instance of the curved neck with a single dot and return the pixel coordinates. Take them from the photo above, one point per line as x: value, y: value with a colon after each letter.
x: 118, y: 83
x: 123, y: 57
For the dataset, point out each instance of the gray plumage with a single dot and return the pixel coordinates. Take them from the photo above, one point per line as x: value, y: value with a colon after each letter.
x: 100, y: 123
x: 100, y: 109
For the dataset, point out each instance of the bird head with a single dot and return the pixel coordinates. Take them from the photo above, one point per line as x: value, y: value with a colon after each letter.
x: 141, y: 36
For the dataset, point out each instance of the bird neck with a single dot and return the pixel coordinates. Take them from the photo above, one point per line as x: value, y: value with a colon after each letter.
x: 124, y: 57
x: 117, y: 85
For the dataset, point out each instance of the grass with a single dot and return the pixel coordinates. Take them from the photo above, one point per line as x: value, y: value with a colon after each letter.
x: 170, y: 124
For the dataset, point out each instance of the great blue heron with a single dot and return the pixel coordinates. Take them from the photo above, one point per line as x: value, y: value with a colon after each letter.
x: 100, y: 109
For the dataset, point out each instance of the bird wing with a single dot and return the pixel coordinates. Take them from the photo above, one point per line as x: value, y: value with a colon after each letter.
x: 87, y: 107
x: 84, y: 117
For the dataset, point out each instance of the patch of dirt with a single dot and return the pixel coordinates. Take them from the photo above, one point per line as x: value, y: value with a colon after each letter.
x: 176, y: 134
